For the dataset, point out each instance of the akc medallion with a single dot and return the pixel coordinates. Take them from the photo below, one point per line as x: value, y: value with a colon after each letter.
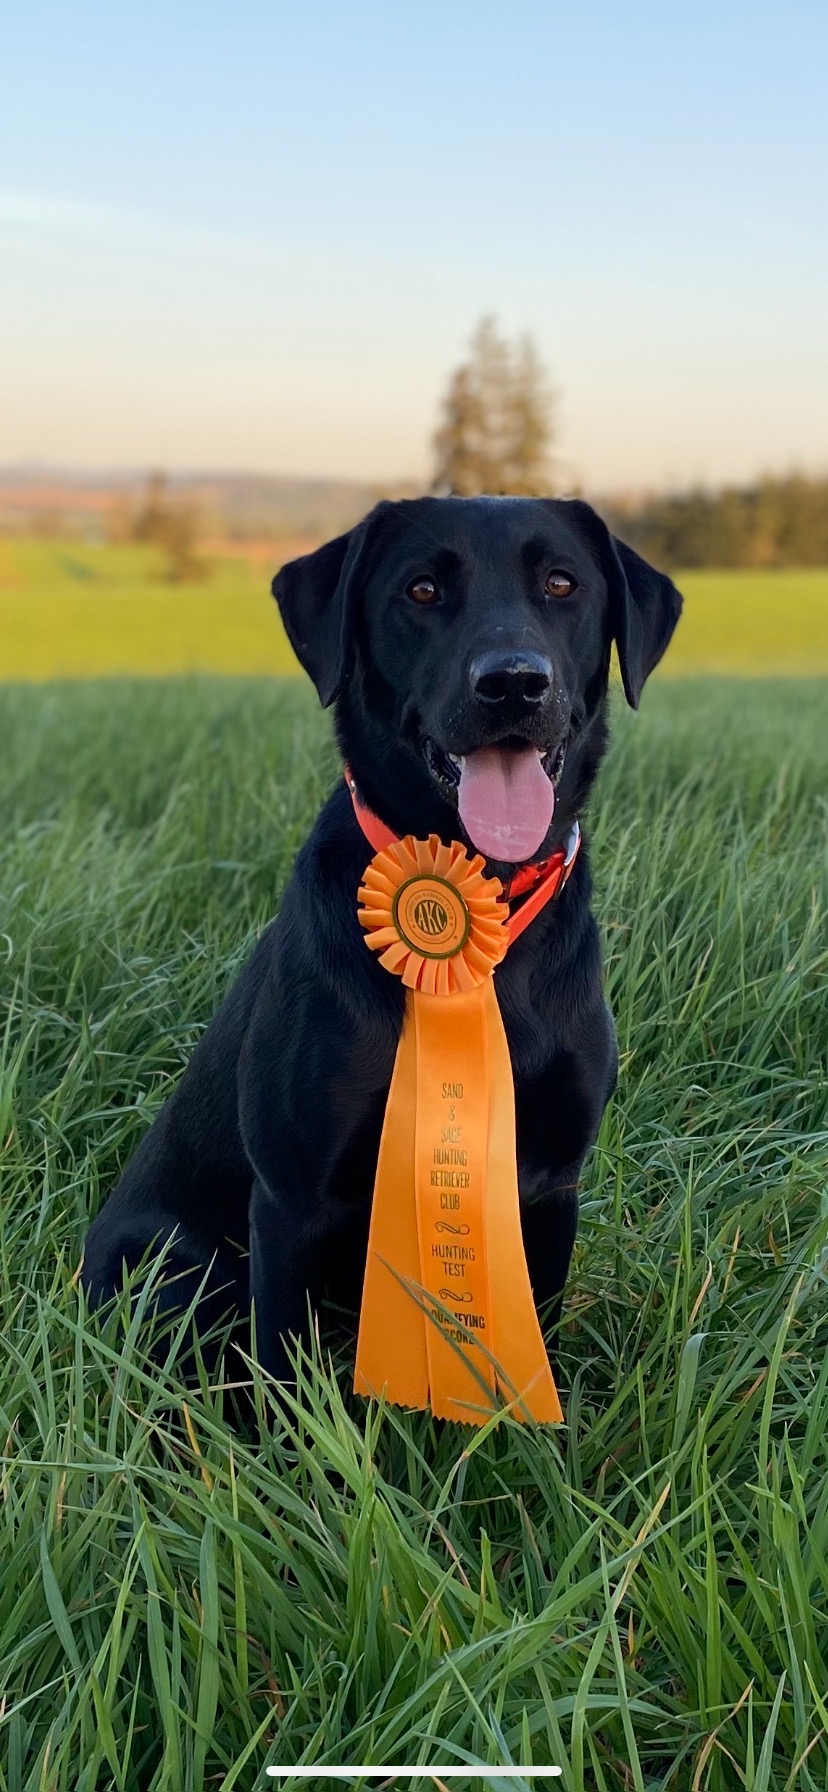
x: 434, y: 917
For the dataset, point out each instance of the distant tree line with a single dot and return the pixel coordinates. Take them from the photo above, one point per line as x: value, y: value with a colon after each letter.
x: 777, y: 522
x: 496, y: 434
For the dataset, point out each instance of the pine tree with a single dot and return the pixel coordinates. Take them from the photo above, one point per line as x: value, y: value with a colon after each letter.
x: 497, y: 422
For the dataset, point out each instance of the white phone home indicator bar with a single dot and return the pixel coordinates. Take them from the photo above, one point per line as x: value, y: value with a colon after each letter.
x: 420, y: 1773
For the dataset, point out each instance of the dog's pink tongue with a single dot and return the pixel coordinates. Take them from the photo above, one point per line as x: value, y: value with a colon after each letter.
x: 506, y: 801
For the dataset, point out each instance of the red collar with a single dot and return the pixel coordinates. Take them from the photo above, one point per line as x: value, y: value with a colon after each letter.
x: 530, y: 886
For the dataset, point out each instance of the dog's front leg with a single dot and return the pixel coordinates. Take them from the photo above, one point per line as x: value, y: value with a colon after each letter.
x: 549, y: 1223
x: 280, y: 1276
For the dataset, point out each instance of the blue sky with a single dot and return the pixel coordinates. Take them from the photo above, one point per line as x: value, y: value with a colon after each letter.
x: 258, y: 236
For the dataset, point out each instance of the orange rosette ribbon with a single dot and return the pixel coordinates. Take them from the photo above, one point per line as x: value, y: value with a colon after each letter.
x: 447, y: 1317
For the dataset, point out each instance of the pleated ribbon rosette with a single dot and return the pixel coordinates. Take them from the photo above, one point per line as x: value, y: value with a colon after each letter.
x: 447, y: 1318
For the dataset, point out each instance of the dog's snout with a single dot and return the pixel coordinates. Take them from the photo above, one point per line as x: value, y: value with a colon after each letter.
x: 516, y: 680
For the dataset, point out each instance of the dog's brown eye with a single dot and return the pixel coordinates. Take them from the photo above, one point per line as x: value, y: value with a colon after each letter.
x: 559, y: 584
x: 423, y: 591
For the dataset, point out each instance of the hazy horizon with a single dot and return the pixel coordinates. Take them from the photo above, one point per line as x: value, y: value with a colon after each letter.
x: 259, y: 243
x: 116, y: 473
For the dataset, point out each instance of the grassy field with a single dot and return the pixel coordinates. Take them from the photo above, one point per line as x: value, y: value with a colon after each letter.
x: 76, y: 612
x: 642, y: 1598
x: 69, y: 611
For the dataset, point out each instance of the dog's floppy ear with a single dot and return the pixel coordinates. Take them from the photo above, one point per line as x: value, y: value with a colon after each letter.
x: 316, y: 597
x: 647, y: 607
x: 645, y: 604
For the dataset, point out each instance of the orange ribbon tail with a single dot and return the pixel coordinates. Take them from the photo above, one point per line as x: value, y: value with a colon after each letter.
x: 447, y: 1316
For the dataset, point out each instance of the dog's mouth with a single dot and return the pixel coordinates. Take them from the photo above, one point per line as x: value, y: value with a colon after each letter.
x: 505, y: 793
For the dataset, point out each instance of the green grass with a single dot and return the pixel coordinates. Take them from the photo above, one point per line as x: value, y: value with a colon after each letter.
x: 72, y: 611
x: 643, y: 1598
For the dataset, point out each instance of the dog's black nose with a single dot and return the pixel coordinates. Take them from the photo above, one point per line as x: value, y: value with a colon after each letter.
x: 516, y: 680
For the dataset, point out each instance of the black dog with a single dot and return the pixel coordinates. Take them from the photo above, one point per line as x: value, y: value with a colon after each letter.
x: 466, y: 644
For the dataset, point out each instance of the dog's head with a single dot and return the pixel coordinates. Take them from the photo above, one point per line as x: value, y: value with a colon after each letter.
x: 466, y: 642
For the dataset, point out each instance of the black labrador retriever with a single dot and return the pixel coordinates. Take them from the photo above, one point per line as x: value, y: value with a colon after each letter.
x: 466, y: 644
